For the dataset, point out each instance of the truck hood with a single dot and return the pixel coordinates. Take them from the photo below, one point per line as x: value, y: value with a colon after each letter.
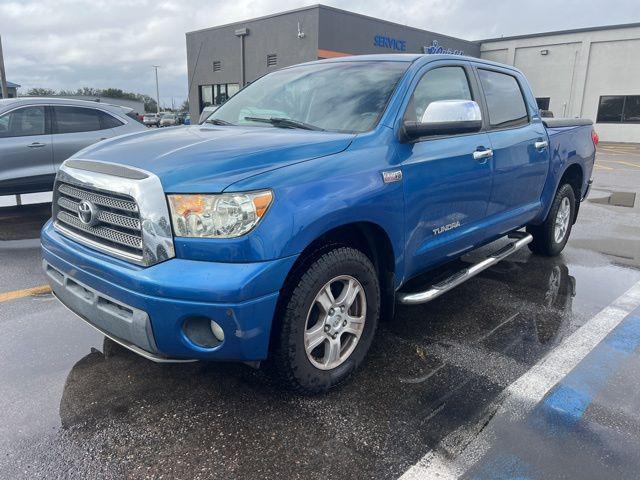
x: 207, y: 159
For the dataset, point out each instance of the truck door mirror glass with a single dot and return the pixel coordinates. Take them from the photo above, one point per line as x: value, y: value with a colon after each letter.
x: 445, y: 117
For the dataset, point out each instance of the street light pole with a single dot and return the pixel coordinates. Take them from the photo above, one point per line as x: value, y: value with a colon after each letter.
x: 157, y: 89
x: 3, y: 77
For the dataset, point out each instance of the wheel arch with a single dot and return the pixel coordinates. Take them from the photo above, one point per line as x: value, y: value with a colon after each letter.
x: 574, y: 176
x: 366, y: 236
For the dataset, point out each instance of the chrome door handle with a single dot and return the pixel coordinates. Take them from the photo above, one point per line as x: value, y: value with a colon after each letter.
x: 36, y: 145
x: 541, y: 145
x: 482, y: 154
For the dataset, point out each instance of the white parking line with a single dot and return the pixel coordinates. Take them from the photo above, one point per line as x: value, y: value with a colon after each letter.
x: 460, y: 449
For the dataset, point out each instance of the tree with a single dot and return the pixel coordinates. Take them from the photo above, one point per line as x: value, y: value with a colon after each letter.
x: 40, y: 92
x: 185, y: 106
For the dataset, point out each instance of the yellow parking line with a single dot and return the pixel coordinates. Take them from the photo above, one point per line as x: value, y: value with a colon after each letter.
x: 603, y: 167
x: 628, y: 163
x: 25, y: 292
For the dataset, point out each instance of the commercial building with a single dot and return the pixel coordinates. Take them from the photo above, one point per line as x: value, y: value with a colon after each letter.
x: 221, y: 59
x: 12, y: 89
x: 591, y: 72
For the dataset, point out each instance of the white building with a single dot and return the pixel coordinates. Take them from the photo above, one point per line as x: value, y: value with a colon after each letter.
x: 591, y: 73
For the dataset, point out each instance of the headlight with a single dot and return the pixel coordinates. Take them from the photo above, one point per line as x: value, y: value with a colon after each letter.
x: 226, y: 215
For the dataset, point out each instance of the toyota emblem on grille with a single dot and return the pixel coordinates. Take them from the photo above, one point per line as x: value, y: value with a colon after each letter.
x: 86, y: 212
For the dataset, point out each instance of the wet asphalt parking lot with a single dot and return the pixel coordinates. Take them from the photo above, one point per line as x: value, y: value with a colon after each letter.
x: 75, y: 405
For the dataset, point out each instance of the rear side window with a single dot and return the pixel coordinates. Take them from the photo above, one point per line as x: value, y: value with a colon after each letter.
x: 444, y: 83
x: 79, y: 119
x: 108, y: 121
x: 504, y: 99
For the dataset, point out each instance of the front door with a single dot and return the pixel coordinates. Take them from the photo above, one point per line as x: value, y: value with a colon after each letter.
x: 446, y: 190
x: 25, y: 151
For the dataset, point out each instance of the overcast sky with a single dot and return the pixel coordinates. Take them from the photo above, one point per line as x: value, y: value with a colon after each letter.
x: 113, y: 43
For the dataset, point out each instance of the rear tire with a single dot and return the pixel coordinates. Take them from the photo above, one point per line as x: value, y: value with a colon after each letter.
x: 551, y: 237
x: 328, y: 321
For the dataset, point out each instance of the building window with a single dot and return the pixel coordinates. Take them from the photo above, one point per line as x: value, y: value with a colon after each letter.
x: 619, y: 109
x: 217, y: 66
x: 543, y: 102
x: 217, y: 94
x: 272, y: 60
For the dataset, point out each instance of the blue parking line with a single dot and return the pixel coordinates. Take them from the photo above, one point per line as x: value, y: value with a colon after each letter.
x: 559, y: 413
x: 566, y: 403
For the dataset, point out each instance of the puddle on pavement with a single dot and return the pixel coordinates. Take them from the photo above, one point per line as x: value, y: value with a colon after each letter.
x: 23, y: 222
x: 618, y: 199
x: 433, y: 370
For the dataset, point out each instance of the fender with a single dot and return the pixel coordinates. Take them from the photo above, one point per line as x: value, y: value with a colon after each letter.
x: 563, y: 155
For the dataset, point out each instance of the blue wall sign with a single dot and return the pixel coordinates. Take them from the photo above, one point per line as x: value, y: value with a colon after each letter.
x: 435, y: 47
x: 381, y: 41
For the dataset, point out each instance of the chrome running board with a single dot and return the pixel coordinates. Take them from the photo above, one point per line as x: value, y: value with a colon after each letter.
x: 520, y: 240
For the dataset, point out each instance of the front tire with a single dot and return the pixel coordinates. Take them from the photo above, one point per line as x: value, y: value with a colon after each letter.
x: 329, y: 321
x: 551, y: 237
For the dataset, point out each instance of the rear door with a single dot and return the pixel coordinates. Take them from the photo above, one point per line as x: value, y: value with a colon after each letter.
x: 25, y: 151
x: 75, y: 128
x: 446, y: 190
x: 520, y: 148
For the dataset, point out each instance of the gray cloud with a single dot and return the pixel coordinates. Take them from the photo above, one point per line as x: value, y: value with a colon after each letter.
x: 113, y: 43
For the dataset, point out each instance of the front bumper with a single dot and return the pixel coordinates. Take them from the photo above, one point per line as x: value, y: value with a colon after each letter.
x: 145, y: 308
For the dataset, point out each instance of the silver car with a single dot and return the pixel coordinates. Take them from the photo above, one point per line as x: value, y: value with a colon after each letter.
x: 168, y: 120
x: 38, y: 134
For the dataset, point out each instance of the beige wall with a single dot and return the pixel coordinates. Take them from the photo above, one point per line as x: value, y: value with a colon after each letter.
x: 578, y: 69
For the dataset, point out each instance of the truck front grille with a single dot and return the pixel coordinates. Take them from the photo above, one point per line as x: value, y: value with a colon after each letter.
x: 114, y: 224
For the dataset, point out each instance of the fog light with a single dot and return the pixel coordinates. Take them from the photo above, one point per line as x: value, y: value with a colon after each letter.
x: 217, y: 331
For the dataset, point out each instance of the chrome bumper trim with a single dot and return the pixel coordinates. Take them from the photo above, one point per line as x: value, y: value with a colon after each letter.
x: 127, y: 345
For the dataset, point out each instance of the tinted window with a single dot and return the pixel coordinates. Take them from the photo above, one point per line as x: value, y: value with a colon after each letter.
x: 543, y: 103
x: 504, y: 99
x: 77, y: 119
x: 632, y: 109
x: 23, y: 122
x: 109, y: 121
x: 445, y: 83
x: 610, y: 109
x: 338, y: 96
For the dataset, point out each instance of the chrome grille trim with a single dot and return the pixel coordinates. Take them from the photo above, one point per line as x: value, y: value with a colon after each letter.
x: 98, y: 199
x: 133, y: 221
x: 131, y: 241
x: 103, y: 216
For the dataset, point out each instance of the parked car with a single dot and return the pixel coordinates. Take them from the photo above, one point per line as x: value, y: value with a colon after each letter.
x: 38, y: 134
x: 187, y: 119
x: 207, y: 112
x: 283, y: 228
x: 151, y: 119
x: 169, y: 120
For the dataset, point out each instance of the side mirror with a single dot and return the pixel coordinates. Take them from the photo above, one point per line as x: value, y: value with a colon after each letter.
x: 445, y: 117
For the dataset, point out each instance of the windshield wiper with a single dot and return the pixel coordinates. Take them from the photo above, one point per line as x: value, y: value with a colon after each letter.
x: 281, y: 122
x: 217, y: 121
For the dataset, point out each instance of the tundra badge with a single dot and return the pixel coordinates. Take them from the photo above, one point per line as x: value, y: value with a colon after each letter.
x: 446, y: 228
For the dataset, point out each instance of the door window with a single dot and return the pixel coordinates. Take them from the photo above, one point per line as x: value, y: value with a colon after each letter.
x: 23, y: 122
x: 79, y: 119
x: 504, y: 99
x: 444, y: 83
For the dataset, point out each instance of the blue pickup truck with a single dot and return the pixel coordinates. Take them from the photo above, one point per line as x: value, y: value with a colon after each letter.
x: 284, y: 228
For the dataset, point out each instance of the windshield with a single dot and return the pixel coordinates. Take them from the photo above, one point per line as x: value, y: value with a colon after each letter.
x: 338, y: 97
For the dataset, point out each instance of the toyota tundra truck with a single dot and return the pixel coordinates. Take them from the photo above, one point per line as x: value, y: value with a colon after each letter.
x: 281, y: 230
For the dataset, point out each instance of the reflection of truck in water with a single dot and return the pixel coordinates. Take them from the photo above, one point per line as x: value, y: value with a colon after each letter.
x: 298, y: 214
